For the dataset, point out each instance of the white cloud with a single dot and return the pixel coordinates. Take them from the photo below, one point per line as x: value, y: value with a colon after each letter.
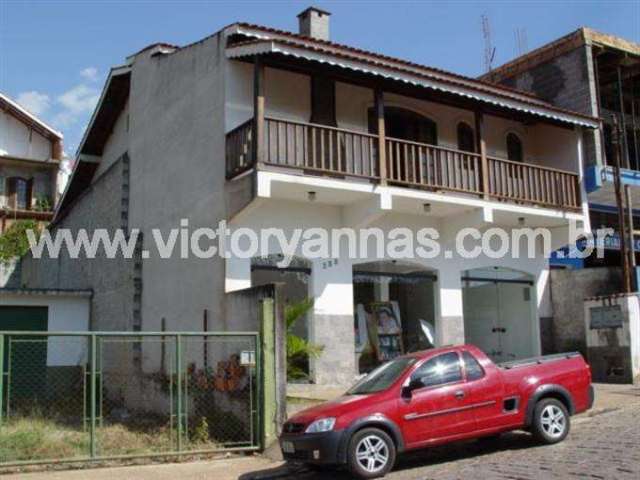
x: 35, y: 102
x: 90, y: 73
x: 76, y: 102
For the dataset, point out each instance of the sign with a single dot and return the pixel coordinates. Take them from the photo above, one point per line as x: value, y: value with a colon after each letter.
x: 606, y: 317
x: 248, y: 358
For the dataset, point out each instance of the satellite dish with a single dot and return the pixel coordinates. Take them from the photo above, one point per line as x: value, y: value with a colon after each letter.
x: 428, y: 332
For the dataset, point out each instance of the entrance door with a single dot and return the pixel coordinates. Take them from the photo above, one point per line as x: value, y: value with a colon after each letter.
x: 480, y: 310
x: 23, y: 354
x: 499, y: 319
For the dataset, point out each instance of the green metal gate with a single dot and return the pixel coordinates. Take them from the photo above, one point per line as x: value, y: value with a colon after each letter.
x: 120, y: 395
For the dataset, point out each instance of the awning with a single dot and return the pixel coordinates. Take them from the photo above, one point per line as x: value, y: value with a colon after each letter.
x: 407, y: 75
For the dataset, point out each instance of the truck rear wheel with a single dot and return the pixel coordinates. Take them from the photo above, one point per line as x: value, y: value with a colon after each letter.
x: 551, y: 421
x: 371, y: 453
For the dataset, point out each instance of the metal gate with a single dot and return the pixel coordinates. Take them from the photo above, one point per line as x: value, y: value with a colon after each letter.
x: 69, y: 396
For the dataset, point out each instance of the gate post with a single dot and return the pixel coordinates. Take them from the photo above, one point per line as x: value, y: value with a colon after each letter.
x: 92, y: 377
x: 268, y: 367
x: 1, y: 376
x: 179, y: 392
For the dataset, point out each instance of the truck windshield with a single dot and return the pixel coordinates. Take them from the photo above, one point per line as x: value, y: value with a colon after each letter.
x: 382, y: 377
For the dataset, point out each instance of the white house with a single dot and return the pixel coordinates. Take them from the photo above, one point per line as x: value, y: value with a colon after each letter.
x: 265, y: 128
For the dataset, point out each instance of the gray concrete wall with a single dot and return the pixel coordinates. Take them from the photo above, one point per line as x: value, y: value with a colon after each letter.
x: 110, y: 279
x: 569, y: 288
x: 567, y: 81
x: 177, y: 146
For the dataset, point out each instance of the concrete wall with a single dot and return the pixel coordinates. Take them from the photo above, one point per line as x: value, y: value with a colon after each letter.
x: 567, y: 81
x: 177, y: 145
x: 614, y: 352
x: 569, y: 288
x: 66, y: 313
x: 111, y: 279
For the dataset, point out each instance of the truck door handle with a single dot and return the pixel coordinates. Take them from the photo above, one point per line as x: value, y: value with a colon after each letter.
x: 459, y: 394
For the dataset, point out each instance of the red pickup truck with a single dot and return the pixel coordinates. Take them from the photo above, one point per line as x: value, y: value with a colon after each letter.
x: 434, y: 397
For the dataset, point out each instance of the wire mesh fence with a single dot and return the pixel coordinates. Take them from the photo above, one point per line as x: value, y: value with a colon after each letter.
x: 83, y: 396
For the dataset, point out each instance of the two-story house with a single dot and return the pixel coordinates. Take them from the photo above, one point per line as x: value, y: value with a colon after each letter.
x: 595, y: 74
x: 30, y: 155
x: 271, y: 129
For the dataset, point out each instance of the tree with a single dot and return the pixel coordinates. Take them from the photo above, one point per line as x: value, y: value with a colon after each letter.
x: 299, y: 350
x: 14, y: 242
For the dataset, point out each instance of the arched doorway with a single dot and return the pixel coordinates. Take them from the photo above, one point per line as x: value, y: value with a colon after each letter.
x: 405, y: 124
x: 499, y: 309
x: 394, y: 310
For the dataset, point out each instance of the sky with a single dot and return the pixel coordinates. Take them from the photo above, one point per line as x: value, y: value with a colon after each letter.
x: 55, y: 55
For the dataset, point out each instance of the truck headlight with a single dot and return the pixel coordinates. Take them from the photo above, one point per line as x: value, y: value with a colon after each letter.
x: 321, y: 425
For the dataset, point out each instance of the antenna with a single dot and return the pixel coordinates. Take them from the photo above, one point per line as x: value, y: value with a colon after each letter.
x: 489, y: 49
x: 521, y: 41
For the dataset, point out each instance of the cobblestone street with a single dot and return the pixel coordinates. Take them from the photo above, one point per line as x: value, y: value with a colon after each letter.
x: 606, y: 446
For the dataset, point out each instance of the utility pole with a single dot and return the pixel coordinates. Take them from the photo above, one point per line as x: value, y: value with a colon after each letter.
x: 624, y: 255
x: 632, y: 246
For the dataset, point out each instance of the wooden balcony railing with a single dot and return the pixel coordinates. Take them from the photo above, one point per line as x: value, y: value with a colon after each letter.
x: 320, y: 148
x: 338, y: 152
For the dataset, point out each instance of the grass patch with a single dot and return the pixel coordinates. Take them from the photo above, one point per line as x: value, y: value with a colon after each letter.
x: 31, y: 438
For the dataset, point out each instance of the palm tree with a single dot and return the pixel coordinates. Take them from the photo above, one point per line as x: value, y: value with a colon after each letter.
x: 299, y: 350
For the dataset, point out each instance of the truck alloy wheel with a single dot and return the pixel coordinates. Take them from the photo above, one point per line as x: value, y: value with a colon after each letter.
x: 551, y: 421
x: 372, y: 453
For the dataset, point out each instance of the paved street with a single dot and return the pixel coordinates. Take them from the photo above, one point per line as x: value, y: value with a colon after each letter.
x: 604, y: 444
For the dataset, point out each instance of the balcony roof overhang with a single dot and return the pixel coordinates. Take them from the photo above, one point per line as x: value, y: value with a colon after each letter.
x: 408, y: 75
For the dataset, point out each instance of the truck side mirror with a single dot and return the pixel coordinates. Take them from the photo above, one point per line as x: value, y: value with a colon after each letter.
x: 406, y: 392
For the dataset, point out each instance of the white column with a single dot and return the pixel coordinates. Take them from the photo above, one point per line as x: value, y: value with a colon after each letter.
x: 331, y: 324
x: 449, y: 321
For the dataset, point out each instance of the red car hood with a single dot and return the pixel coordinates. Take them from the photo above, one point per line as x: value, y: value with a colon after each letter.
x: 334, y: 408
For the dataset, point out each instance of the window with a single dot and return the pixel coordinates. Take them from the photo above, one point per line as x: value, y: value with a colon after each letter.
x: 323, y: 101
x: 382, y: 377
x: 439, y: 370
x: 514, y: 148
x: 471, y: 367
x: 19, y: 193
x: 466, y: 141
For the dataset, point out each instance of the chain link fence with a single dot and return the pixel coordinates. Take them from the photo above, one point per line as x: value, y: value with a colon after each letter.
x: 84, y: 396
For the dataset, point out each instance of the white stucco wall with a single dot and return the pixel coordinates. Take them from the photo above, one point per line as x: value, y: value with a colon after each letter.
x: 66, y: 313
x: 17, y: 140
x: 288, y: 95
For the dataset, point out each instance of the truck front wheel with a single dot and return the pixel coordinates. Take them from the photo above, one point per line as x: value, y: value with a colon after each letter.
x: 371, y: 454
x: 551, y: 421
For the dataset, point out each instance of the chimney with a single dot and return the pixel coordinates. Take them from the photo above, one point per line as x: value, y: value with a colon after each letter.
x: 314, y: 23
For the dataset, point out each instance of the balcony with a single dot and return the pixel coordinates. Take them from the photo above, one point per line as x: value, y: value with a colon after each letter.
x: 321, y: 150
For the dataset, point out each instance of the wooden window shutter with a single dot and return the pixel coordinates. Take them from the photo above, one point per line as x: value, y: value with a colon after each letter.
x: 11, y: 191
x: 29, y: 193
x: 323, y: 101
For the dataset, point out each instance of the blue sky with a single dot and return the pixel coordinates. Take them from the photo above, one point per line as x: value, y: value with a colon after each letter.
x: 54, y: 55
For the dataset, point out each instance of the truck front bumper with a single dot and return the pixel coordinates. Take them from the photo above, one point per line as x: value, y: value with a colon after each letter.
x: 319, y: 448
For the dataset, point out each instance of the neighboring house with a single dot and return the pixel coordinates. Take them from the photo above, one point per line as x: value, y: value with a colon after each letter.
x: 30, y: 155
x: 265, y: 128
x: 599, y: 75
